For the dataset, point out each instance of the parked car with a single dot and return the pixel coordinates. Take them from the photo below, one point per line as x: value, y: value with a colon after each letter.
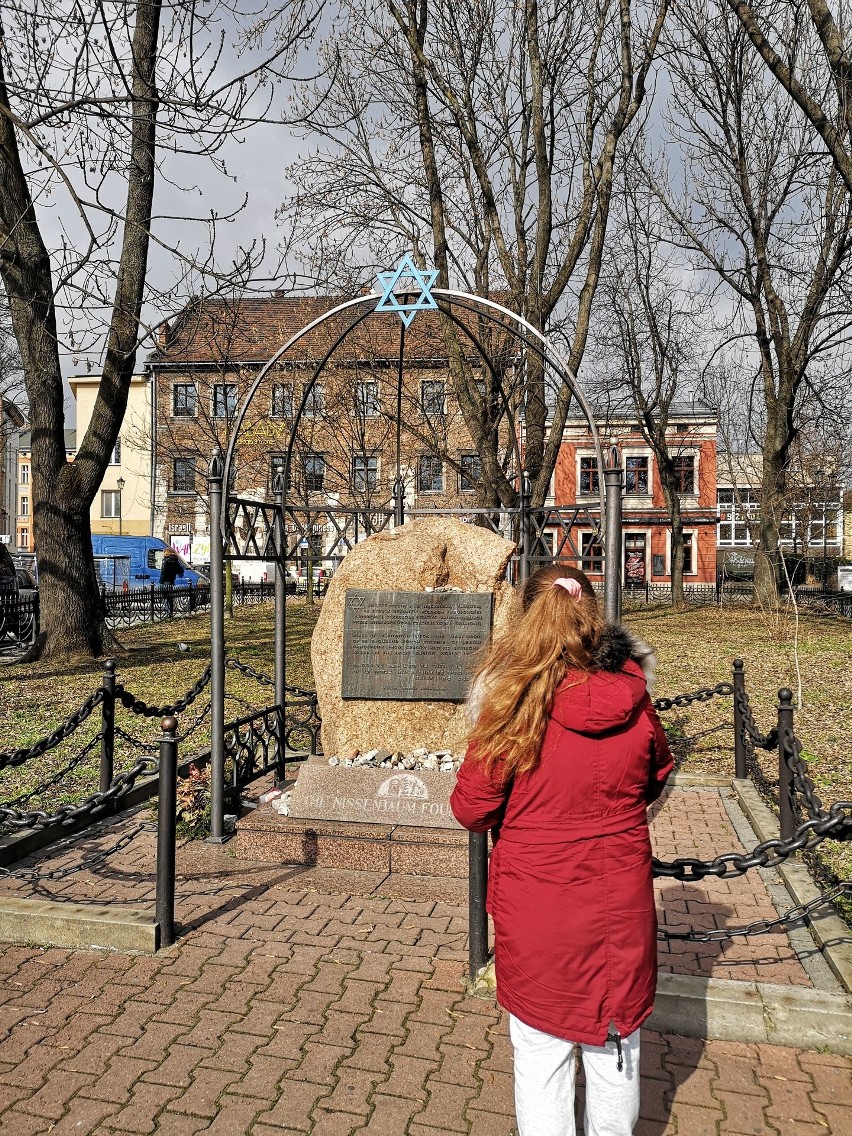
x: 146, y: 559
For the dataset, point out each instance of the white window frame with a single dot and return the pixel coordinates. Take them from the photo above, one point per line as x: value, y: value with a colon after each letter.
x: 25, y: 473
x: 184, y: 383
x: 225, y: 387
x: 367, y: 407
x: 114, y: 495
x: 695, y: 454
x: 628, y: 528
x: 687, y: 531
x: 638, y: 452
x: 578, y: 459
x: 370, y: 483
x: 24, y: 507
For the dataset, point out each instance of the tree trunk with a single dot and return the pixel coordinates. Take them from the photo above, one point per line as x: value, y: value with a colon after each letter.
x: 767, y: 564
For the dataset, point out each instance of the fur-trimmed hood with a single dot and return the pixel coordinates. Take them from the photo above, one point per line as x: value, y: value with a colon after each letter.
x: 617, y: 645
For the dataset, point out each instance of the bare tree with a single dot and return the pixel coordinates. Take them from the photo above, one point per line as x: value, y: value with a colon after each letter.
x: 649, y: 347
x: 767, y: 215
x: 92, y: 103
x: 819, y: 81
x: 484, y: 137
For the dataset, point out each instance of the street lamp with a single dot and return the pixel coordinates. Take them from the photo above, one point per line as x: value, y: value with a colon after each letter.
x: 120, y: 486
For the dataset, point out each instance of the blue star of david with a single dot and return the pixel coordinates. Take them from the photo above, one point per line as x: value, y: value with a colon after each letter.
x: 424, y: 280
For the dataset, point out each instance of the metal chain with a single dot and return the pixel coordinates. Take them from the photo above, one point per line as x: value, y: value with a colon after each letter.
x: 71, y: 723
x: 250, y: 672
x: 835, y: 824
x: 137, y: 743
x: 751, y: 735
x: 30, y: 875
x: 705, y: 694
x: 138, y: 706
x: 759, y: 926
x: 804, y: 787
x: 57, y: 777
x: 121, y: 784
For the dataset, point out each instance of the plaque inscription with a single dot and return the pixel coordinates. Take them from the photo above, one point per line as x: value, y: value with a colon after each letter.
x: 412, y: 646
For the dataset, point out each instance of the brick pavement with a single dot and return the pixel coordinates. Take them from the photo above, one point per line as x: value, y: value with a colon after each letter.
x: 300, y: 1001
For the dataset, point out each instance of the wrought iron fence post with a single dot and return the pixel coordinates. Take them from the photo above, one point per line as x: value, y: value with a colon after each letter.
x: 524, y: 527
x: 612, y: 537
x: 107, y: 725
x: 740, y: 752
x: 153, y: 608
x: 279, y: 671
x: 217, y: 655
x: 786, y: 789
x: 166, y: 825
x: 477, y: 949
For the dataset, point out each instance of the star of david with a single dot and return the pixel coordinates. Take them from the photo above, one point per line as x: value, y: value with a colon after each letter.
x: 423, y: 280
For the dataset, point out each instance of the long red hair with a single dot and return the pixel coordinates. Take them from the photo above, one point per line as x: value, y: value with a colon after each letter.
x: 517, y: 677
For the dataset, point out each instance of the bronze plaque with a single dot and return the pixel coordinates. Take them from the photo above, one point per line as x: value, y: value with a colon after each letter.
x: 412, y: 646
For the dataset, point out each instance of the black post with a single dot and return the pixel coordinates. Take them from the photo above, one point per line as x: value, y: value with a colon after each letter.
x: 786, y: 792
x: 477, y: 949
x: 107, y: 725
x: 153, y: 610
x: 217, y: 655
x: 740, y: 752
x: 166, y: 823
x: 524, y: 528
x: 612, y: 537
x: 280, y: 622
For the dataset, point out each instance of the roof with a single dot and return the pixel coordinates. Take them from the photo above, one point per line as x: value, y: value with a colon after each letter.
x: 250, y: 329
x: 24, y: 439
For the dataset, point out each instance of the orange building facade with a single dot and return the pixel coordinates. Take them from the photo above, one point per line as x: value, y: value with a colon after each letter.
x: 646, y: 548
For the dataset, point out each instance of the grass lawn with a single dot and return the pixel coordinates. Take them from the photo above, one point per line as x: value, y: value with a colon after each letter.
x: 695, y: 648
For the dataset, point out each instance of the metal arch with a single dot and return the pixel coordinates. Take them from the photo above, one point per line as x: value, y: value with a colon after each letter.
x: 533, y: 339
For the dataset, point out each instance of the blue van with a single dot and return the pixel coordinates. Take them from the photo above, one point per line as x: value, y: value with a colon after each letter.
x: 141, y: 558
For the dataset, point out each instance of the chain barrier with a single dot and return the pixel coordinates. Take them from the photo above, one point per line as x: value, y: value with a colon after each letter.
x: 31, y: 875
x: 119, y: 787
x: 138, y: 706
x: 834, y: 824
x: 759, y: 926
x: 249, y: 672
x: 57, y: 777
x: 71, y: 723
x: 751, y: 735
x: 803, y: 786
x: 137, y: 743
x: 705, y: 694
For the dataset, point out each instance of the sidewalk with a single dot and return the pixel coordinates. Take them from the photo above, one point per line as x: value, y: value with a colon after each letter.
x: 309, y: 1001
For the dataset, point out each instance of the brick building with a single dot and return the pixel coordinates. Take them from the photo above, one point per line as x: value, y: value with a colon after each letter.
x: 345, y: 452
x: 646, y: 554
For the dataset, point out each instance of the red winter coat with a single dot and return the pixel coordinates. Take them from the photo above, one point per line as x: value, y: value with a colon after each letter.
x: 570, y: 885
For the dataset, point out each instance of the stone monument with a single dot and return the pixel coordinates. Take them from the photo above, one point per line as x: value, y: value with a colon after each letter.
x: 420, y: 556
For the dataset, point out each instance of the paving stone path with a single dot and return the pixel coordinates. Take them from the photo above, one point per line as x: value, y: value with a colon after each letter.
x: 320, y: 1001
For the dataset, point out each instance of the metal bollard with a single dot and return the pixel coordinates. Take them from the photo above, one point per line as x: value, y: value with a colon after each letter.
x: 786, y: 791
x: 166, y: 826
x: 477, y: 951
x: 107, y: 726
x: 740, y: 752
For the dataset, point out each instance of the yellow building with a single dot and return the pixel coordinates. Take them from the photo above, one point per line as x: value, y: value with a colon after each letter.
x: 122, y: 506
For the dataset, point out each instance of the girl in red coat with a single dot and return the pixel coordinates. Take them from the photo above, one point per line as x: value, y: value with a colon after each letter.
x: 565, y: 755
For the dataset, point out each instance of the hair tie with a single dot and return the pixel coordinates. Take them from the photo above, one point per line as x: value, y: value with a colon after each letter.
x: 571, y: 586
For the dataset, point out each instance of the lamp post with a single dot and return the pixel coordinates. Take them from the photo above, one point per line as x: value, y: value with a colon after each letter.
x: 120, y: 486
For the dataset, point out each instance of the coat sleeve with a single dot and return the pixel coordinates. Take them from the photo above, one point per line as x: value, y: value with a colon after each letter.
x: 662, y: 761
x: 477, y: 802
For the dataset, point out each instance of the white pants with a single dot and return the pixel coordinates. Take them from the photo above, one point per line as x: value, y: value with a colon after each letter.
x: 544, y: 1084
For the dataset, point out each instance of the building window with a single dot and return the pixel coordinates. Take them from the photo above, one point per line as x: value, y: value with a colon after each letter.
x: 684, y: 471
x: 365, y: 470
x: 183, y: 475
x: 23, y: 538
x: 25, y: 507
x: 591, y: 551
x: 184, y: 400
x: 738, y: 511
x: 433, y: 398
x: 115, y: 456
x: 367, y: 399
x: 688, y: 554
x: 25, y: 473
x: 471, y: 473
x: 314, y: 468
x: 589, y: 480
x: 636, y: 479
x: 681, y: 428
x: 224, y: 400
x: 430, y: 474
x: 110, y: 503
x: 315, y: 404
x: 282, y: 400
